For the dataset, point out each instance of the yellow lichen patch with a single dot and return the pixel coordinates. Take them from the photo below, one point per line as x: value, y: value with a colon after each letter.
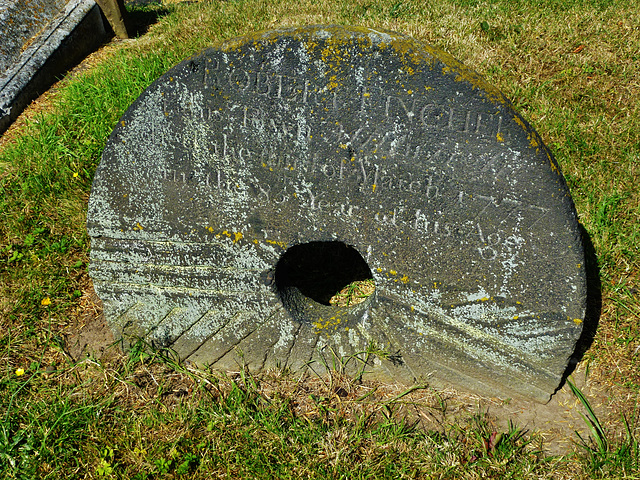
x: 323, y: 325
x: 499, y: 137
x: 138, y: 226
x: 519, y: 121
x: 235, y: 236
x: 334, y: 54
x: 554, y: 167
x: 404, y: 279
x: 279, y: 244
x: 393, y: 272
x: 577, y: 321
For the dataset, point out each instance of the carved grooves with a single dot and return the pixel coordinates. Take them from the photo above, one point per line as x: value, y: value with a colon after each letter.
x: 290, y: 349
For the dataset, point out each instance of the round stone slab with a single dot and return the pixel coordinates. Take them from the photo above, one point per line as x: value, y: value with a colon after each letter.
x: 249, y: 181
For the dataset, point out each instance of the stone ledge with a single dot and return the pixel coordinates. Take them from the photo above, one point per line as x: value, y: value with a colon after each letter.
x: 33, y: 60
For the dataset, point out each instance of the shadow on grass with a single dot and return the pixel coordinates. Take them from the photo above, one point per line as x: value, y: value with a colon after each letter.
x: 144, y: 13
x: 593, y: 307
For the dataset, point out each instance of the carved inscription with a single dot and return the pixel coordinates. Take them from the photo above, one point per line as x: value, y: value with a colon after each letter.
x: 353, y: 157
x: 408, y: 107
x: 328, y: 135
x: 366, y: 179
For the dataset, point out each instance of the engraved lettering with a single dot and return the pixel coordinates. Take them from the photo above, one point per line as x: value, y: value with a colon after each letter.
x: 478, y: 122
x: 209, y: 75
x: 390, y: 219
x: 421, y: 222
x: 407, y: 112
x: 323, y: 205
x: 328, y: 170
x: 432, y: 190
x: 263, y: 84
x: 413, y: 189
x: 240, y: 79
x: 431, y: 115
x: 488, y: 252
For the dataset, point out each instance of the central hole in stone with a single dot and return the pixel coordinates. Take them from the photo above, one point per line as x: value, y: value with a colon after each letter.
x: 331, y: 273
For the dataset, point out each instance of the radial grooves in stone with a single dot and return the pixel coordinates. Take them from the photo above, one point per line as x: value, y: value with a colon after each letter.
x: 476, y: 343
x: 470, y: 207
x: 267, y: 350
x: 295, y: 337
x: 376, y: 333
x: 136, y: 318
x: 235, y: 344
x: 179, y: 317
x: 313, y: 350
x: 224, y: 324
x: 388, y: 331
x: 186, y: 329
x: 236, y: 320
x: 194, y: 276
x: 127, y: 309
x: 303, y: 347
x: 232, y: 318
x: 161, y: 253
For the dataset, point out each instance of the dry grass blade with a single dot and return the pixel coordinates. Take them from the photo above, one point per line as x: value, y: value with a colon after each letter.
x: 354, y: 293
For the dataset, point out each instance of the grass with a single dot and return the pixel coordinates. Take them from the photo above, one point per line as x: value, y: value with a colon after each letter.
x: 154, y: 418
x: 571, y: 67
x: 604, y: 458
x: 354, y: 293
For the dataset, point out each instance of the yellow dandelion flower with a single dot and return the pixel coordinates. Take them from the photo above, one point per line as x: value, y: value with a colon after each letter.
x: 19, y: 372
x: 45, y: 302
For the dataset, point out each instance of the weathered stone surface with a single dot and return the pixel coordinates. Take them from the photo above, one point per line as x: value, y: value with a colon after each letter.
x: 20, y: 21
x: 41, y: 39
x: 305, y: 141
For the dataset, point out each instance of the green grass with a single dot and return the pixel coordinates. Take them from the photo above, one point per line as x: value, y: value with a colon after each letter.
x: 570, y: 66
x: 146, y: 417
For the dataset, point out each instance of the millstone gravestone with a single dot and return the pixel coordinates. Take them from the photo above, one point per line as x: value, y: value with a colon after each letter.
x: 251, y: 182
